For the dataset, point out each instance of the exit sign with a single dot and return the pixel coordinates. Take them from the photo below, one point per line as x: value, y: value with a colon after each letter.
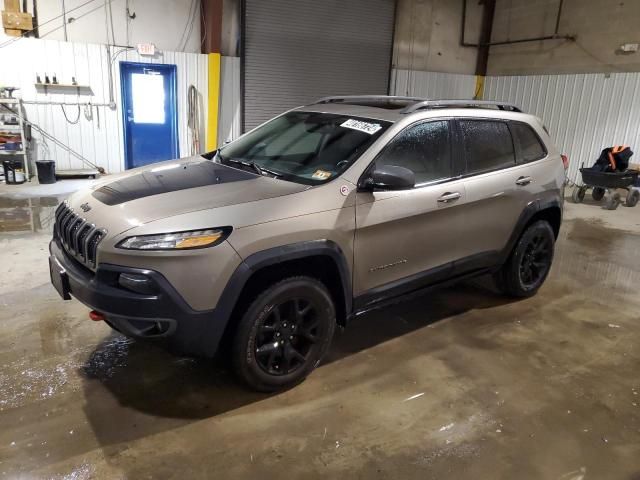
x: 146, y: 49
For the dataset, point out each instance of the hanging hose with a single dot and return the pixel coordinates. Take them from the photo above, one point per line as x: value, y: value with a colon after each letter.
x: 193, y: 120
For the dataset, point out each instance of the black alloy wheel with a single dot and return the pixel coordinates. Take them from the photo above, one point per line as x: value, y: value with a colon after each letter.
x: 536, y: 260
x: 286, y: 336
x: 283, y: 334
x: 529, y: 263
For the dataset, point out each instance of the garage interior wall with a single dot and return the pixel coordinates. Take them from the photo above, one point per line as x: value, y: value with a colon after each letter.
x: 432, y: 84
x: 600, y: 28
x: 101, y: 138
x: 171, y: 25
x: 299, y: 50
x: 584, y: 112
x: 427, y: 36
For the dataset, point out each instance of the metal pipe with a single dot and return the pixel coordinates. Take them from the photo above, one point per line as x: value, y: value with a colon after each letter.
x: 70, y: 104
x: 112, y: 103
x: 534, y: 39
x: 558, y: 17
x: 555, y: 36
x: 464, y: 23
x: 482, y: 60
x: 64, y: 20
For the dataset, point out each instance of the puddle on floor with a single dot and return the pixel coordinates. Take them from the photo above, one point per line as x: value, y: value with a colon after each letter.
x: 28, y: 214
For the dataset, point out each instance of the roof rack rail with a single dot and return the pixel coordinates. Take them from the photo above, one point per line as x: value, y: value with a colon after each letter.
x: 459, y: 103
x: 361, y: 98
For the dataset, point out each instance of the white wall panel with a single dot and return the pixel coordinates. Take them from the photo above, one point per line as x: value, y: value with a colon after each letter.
x: 101, y: 138
x: 433, y: 85
x: 229, y: 125
x: 584, y: 113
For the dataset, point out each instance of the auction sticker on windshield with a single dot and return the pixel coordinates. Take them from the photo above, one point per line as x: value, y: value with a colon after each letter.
x: 321, y: 174
x: 361, y: 126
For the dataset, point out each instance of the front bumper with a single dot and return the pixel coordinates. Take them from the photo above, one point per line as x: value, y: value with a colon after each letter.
x: 162, y: 314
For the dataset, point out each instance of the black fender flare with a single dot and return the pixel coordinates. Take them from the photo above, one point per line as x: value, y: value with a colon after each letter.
x: 527, y: 214
x: 272, y: 256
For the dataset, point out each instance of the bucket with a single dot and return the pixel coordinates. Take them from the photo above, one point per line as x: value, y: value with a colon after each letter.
x: 13, y: 173
x: 46, y: 171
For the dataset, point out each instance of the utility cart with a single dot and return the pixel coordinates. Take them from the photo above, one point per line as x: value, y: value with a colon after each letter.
x: 608, y: 185
x: 608, y: 178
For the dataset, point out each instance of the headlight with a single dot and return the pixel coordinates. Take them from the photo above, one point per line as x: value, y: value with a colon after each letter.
x: 177, y: 240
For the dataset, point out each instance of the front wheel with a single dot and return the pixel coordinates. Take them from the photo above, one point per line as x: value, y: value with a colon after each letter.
x: 284, y: 334
x: 529, y: 263
x: 632, y: 198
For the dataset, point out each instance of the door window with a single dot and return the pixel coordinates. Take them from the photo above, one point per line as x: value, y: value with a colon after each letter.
x: 528, y: 145
x: 424, y: 149
x: 147, y: 93
x: 487, y: 145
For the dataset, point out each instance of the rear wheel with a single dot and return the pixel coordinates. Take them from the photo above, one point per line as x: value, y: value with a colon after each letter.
x: 284, y: 334
x: 578, y: 194
x: 529, y: 262
x: 597, y: 193
x: 612, y: 201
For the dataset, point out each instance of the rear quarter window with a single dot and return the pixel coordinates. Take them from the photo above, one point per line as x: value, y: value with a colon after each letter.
x: 487, y: 145
x: 528, y: 145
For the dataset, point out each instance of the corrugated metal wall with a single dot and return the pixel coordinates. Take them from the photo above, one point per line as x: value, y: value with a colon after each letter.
x: 229, y: 124
x: 99, y: 139
x: 432, y: 84
x: 584, y: 113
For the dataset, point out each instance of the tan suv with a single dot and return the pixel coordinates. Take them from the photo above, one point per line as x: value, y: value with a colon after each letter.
x: 322, y: 213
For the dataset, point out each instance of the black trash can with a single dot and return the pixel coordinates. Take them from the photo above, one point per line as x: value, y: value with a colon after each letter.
x: 46, y: 171
x: 13, y: 173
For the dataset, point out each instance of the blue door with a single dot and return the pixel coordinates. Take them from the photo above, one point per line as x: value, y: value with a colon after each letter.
x: 149, y: 112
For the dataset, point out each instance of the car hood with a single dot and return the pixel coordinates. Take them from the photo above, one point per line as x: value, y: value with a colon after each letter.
x: 172, y: 188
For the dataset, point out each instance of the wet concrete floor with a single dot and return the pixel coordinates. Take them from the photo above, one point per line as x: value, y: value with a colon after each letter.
x: 462, y: 383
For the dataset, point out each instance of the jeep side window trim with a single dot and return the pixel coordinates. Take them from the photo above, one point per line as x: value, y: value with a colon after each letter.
x: 487, y: 145
x: 529, y: 147
x: 424, y: 148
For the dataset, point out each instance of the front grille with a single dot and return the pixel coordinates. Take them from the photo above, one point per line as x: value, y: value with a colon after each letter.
x: 78, y: 237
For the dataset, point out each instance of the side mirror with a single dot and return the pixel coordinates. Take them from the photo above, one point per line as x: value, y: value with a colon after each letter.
x: 390, y: 177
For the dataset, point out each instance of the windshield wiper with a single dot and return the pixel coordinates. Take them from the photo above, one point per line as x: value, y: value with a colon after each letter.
x: 252, y: 165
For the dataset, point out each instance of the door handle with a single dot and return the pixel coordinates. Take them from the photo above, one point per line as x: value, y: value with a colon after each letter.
x: 522, y: 181
x: 449, y: 197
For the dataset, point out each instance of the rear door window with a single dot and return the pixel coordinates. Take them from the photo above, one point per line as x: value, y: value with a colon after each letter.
x: 487, y: 145
x: 423, y: 148
x: 528, y: 145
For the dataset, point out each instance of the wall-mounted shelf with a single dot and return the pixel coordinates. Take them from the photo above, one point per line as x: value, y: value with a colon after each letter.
x: 63, y: 88
x: 12, y: 152
x: 15, y: 112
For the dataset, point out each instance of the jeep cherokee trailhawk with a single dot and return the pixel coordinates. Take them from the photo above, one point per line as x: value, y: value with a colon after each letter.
x: 320, y: 214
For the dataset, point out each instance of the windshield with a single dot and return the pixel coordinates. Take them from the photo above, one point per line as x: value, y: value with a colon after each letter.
x: 304, y: 147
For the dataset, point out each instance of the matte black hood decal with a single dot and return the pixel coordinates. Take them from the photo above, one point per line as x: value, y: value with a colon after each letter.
x: 169, y: 178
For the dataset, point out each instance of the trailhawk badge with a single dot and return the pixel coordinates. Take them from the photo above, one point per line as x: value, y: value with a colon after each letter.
x: 85, y: 207
x: 344, y: 190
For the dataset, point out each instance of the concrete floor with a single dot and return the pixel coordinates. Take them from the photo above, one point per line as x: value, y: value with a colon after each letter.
x: 460, y: 384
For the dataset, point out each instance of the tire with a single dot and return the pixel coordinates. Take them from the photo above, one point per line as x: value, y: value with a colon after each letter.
x: 632, y: 198
x: 529, y: 263
x: 597, y: 193
x: 578, y: 194
x: 274, y: 348
x: 612, y: 201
